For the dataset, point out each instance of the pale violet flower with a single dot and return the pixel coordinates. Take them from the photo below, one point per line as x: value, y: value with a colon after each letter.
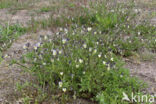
x: 54, y: 52
x: 24, y: 47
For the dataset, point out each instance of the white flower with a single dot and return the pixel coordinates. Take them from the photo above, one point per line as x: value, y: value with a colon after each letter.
x: 44, y: 63
x: 64, y: 41
x: 38, y: 44
x: 97, y: 43
x: 95, y: 50
x: 105, y: 56
x: 99, y: 55
x: 64, y: 89
x: 84, y: 72
x: 104, y: 62
x: 61, y: 73
x: 60, y: 84
x: 112, y: 59
x: 90, y: 49
x: 89, y: 29
x: 52, y: 60
x: 54, y: 52
x: 61, y: 29
x: 128, y: 26
x: 84, y: 45
x: 6, y: 55
x: 108, y: 68
x: 95, y: 33
x: 60, y: 51
x: 80, y: 60
x: 139, y: 33
x: 66, y: 31
x: 45, y: 37
x: 24, y: 47
x: 35, y: 47
x: 77, y: 66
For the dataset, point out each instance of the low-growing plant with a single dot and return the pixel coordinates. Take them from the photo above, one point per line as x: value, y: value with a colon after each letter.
x: 80, y: 64
x: 8, y: 34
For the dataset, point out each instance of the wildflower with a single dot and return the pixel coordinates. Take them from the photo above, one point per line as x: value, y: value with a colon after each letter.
x: 84, y: 45
x: 6, y: 55
x: 61, y: 29
x: 80, y: 60
x: 60, y: 84
x: 95, y: 51
x: 112, y: 59
x: 84, y: 72
x: 54, y: 52
x: 90, y: 49
x: 139, y: 33
x: 104, y: 62
x: 24, y: 47
x: 64, y: 41
x: 105, y: 56
x: 44, y: 63
x: 128, y: 26
x: 52, y: 60
x: 77, y: 66
x: 95, y: 33
x: 64, y: 89
x: 38, y: 44
x: 60, y: 51
x: 99, y: 55
x: 61, y: 73
x: 89, y: 29
x: 35, y: 47
x: 108, y: 68
x: 45, y: 37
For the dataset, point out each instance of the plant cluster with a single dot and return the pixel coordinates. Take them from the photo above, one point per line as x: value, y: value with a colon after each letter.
x: 84, y: 60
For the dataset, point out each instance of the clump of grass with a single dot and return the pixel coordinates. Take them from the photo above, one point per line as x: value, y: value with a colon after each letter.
x: 8, y: 34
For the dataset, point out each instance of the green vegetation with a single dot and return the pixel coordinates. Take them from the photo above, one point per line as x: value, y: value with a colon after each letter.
x: 8, y: 34
x: 84, y: 59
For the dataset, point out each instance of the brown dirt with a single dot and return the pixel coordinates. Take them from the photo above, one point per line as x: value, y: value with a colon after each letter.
x: 146, y: 71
